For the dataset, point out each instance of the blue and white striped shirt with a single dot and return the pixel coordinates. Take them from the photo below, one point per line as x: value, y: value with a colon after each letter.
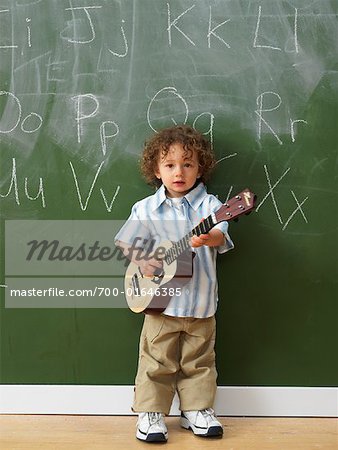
x: 158, y: 218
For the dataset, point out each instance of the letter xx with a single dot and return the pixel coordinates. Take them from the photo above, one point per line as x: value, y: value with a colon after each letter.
x: 271, y: 193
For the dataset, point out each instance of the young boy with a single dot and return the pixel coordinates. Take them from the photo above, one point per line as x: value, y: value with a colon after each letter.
x: 177, y: 347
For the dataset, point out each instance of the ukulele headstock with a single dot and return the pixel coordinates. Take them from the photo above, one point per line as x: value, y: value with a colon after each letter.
x: 242, y: 203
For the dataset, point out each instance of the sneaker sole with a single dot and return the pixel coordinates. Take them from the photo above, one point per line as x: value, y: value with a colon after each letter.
x: 151, y: 437
x: 202, y: 432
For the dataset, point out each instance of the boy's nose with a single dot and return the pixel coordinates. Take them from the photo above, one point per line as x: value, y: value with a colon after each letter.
x: 178, y: 170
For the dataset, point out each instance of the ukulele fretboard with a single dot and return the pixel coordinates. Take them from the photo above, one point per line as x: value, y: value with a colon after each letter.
x: 183, y: 244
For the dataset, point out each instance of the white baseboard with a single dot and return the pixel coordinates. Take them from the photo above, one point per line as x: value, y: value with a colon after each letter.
x: 117, y: 400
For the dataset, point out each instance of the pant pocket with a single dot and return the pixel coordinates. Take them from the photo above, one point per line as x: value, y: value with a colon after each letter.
x: 153, y: 326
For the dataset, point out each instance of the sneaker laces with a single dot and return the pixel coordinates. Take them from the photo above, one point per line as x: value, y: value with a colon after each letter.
x: 208, y: 413
x: 154, y: 417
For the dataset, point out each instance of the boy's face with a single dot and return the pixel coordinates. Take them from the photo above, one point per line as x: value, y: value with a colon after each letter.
x: 178, y: 170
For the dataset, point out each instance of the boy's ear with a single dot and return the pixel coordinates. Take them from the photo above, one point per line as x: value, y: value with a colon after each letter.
x: 157, y: 174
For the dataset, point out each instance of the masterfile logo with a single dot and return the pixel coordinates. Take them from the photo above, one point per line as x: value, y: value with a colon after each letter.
x: 63, y: 247
x: 82, y: 247
x: 75, y: 264
x: 56, y: 250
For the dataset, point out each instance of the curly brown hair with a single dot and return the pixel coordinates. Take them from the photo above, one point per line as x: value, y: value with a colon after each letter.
x: 191, y: 140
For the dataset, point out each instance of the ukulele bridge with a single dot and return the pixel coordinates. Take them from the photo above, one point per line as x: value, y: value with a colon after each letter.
x: 155, y: 278
x: 135, y: 285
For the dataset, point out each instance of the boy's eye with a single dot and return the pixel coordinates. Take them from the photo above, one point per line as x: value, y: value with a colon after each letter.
x: 169, y: 165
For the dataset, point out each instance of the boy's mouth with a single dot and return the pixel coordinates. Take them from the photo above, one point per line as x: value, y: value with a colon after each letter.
x: 179, y: 183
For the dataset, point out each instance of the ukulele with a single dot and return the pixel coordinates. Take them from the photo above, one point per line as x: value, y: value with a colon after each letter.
x: 152, y: 294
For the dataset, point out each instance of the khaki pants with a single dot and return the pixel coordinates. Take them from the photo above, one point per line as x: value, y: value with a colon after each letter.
x: 176, y: 353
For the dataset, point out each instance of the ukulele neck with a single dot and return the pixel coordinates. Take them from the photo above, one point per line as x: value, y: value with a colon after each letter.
x: 183, y: 244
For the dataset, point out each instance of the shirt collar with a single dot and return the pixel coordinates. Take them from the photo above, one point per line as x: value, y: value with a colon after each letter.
x: 193, y: 197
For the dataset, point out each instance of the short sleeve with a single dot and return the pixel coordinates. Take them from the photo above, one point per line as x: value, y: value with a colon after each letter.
x: 228, y: 244
x: 134, y: 230
x: 222, y: 226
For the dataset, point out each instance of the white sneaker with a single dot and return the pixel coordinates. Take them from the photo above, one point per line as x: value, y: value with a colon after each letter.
x: 151, y: 427
x: 202, y: 423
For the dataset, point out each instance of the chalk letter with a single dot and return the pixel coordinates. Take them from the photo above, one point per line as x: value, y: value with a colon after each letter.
x: 172, y: 90
x: 7, y: 46
x: 212, y: 31
x: 17, y: 101
x: 292, y: 127
x: 39, y: 118
x: 270, y: 192
x: 211, y: 127
x: 110, y: 206
x: 105, y: 136
x: 174, y: 24
x: 259, y: 112
x: 29, y: 34
x: 299, y: 208
x: 295, y: 31
x: 291, y: 45
x: 256, y: 33
x: 80, y: 116
x: 121, y: 55
x: 84, y: 205
x: 14, y: 182
x: 40, y: 192
x: 85, y: 8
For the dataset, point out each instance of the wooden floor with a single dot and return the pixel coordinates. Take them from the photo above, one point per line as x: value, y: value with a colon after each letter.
x: 118, y: 433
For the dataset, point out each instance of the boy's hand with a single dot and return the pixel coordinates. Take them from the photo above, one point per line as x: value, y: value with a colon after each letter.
x: 149, y: 266
x: 202, y: 239
x: 214, y: 238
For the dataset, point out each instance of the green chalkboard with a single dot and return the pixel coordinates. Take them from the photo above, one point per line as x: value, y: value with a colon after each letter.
x: 83, y: 84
